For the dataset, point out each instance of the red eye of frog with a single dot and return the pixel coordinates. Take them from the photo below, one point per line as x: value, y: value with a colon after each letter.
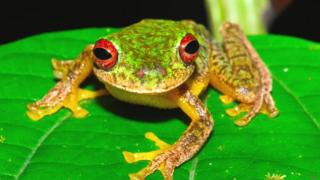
x: 189, y: 48
x: 105, y: 53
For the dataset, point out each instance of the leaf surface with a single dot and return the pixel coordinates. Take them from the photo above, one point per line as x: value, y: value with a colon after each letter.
x: 62, y: 147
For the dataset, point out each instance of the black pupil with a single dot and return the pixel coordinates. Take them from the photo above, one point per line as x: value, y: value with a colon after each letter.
x: 102, y: 54
x: 192, y: 47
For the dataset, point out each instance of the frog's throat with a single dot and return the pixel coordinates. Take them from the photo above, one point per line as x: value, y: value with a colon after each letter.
x: 163, y: 85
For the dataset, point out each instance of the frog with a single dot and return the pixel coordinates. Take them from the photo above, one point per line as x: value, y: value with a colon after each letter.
x: 166, y: 64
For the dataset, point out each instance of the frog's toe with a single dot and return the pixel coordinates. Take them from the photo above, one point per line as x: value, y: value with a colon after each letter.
x: 139, y: 175
x: 270, y: 107
x: 159, y: 159
x: 246, y: 119
x: 273, y: 113
x: 134, y: 157
x: 225, y: 99
x: 242, y: 107
x: 235, y: 111
x: 242, y: 122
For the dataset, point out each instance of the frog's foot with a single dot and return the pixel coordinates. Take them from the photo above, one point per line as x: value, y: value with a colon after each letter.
x: 81, y: 94
x: 66, y: 93
x: 165, y: 159
x: 59, y: 97
x: 252, y: 110
x: 242, y: 107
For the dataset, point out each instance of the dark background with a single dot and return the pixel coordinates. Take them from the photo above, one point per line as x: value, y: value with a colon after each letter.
x: 19, y: 20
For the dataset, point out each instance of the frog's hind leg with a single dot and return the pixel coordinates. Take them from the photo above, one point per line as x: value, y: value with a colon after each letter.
x: 238, y: 71
x: 66, y: 92
x: 264, y: 102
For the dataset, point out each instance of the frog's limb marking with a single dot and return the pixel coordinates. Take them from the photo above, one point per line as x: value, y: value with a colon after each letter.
x: 66, y: 92
x: 62, y: 68
x: 225, y: 99
x: 266, y: 80
x: 264, y: 92
x: 238, y: 71
x: 171, y: 156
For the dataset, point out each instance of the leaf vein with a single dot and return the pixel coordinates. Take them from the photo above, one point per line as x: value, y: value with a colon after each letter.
x: 40, y: 142
x: 304, y: 108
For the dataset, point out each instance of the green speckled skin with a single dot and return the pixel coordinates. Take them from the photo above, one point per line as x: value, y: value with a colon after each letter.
x: 151, y: 47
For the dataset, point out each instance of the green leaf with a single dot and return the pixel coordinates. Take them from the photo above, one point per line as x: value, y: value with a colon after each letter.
x: 62, y: 147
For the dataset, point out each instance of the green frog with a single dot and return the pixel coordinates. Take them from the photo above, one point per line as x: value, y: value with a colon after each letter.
x: 166, y: 64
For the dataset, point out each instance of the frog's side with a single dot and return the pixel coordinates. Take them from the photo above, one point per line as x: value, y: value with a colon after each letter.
x: 166, y: 64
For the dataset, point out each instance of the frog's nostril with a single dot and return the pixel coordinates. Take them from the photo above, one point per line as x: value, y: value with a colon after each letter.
x: 162, y: 71
x: 157, y: 72
x: 141, y: 73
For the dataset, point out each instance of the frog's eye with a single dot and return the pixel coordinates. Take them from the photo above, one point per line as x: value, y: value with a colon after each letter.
x: 105, y: 53
x: 189, y: 48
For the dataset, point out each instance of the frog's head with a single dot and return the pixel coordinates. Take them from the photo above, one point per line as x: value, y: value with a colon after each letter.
x: 152, y: 56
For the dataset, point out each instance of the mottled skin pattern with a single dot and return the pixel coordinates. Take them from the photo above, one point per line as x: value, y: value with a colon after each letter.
x: 238, y: 71
x: 157, y: 57
x: 150, y: 71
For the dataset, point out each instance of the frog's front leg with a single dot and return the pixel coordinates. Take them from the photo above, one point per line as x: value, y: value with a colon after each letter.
x: 66, y: 92
x: 61, y: 68
x: 238, y: 72
x: 168, y: 157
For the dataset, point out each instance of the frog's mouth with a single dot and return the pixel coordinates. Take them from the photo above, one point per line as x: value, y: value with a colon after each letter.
x: 145, y: 82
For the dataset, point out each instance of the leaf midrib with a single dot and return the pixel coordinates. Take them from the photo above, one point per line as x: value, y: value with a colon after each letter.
x: 42, y: 139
